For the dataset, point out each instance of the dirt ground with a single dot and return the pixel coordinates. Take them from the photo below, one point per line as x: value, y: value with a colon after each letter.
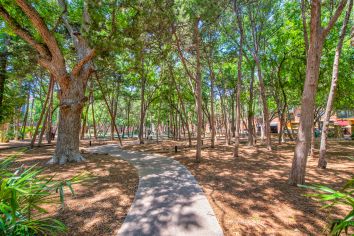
x: 101, y: 203
x: 250, y: 195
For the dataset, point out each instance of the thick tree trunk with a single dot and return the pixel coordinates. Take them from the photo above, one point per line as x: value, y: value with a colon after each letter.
x: 322, y: 163
x: 71, y: 105
x: 317, y: 36
x: 72, y: 85
x: 298, y: 170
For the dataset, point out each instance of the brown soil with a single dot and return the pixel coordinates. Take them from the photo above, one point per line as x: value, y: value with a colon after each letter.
x: 250, y: 195
x: 101, y: 203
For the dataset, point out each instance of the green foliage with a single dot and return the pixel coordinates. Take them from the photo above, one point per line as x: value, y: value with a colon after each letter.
x: 331, y: 197
x: 23, y: 194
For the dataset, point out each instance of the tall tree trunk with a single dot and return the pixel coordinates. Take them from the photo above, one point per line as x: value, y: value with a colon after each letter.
x: 238, y: 89
x: 111, y: 110
x: 50, y: 116
x: 198, y: 88
x: 225, y: 118
x: 212, y: 115
x: 233, y: 126
x: 266, y: 121
x: 250, y: 115
x: 128, y: 120
x: 182, y: 107
x: 112, y: 120
x: 93, y: 119
x: 312, y: 149
x: 24, y: 124
x: 3, y: 65
x: 322, y: 163
x: 142, y: 110
x: 47, y: 114
x: 84, y: 122
x: 317, y: 36
x: 44, y: 107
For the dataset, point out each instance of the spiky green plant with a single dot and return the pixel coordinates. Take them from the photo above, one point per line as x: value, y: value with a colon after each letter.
x: 331, y: 197
x: 23, y: 193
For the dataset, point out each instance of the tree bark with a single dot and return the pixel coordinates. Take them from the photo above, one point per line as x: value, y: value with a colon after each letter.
x: 47, y: 114
x: 3, y: 65
x: 250, y: 115
x: 212, y: 115
x: 266, y: 121
x: 50, y: 116
x: 317, y: 36
x: 72, y: 85
x: 322, y: 163
x: 238, y: 88
x: 142, y: 107
x: 182, y: 107
x: 51, y: 82
x: 93, y: 119
x: 24, y: 125
x: 70, y: 110
x: 198, y: 88
x: 110, y: 109
x: 84, y: 122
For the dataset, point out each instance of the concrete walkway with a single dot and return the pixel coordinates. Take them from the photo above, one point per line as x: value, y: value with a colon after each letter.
x: 168, y: 202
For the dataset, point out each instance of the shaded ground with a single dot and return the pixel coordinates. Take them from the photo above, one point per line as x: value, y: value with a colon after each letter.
x: 250, y: 195
x: 101, y: 203
x: 169, y: 201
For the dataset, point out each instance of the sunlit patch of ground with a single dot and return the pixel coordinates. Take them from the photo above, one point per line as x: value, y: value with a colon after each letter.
x: 250, y: 195
x: 101, y: 203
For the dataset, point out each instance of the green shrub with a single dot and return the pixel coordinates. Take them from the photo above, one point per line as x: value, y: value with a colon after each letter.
x: 22, y: 196
x: 331, y: 197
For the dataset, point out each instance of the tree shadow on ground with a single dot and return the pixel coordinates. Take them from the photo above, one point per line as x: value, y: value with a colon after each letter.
x: 168, y: 201
x: 101, y: 203
x: 250, y: 194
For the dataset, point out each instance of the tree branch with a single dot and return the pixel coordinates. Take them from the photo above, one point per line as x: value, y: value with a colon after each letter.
x: 179, y: 50
x: 334, y: 18
x: 43, y: 30
x: 25, y: 35
x: 78, y: 67
x: 304, y: 25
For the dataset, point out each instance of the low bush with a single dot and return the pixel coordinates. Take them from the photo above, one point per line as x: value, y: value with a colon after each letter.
x: 23, y: 193
x: 331, y: 197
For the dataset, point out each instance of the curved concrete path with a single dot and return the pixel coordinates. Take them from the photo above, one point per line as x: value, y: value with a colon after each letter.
x: 168, y: 202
